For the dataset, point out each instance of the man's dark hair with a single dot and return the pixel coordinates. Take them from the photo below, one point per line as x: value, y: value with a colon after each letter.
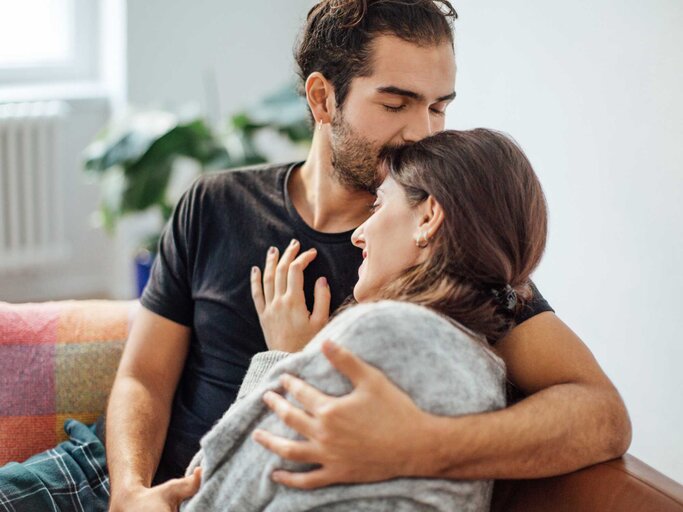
x: 336, y: 39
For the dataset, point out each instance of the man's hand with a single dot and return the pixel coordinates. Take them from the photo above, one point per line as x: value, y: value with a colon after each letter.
x: 392, y: 428
x: 165, y: 497
x: 280, y: 302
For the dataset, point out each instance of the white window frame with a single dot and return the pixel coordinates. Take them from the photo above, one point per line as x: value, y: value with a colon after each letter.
x: 85, y: 27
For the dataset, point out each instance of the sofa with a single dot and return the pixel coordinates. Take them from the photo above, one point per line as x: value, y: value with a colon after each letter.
x: 58, y: 360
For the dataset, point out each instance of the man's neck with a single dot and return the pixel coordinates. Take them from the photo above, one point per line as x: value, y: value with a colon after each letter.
x: 323, y: 203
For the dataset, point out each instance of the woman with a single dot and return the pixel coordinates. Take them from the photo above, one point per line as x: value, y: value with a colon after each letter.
x: 458, y: 226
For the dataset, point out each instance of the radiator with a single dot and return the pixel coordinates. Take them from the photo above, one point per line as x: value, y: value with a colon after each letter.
x: 31, y: 185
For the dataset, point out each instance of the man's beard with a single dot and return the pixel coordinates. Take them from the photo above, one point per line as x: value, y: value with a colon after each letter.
x: 354, y: 158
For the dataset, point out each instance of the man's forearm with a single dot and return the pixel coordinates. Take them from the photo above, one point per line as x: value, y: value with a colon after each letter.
x: 555, y: 431
x: 137, y: 421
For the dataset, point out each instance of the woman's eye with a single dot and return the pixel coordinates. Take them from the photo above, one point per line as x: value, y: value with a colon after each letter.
x: 374, y: 207
x: 390, y: 108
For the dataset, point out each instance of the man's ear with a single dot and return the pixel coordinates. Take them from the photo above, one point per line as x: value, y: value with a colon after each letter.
x: 430, y: 218
x: 320, y: 97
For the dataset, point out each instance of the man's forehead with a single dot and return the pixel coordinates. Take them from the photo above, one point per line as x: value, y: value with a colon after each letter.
x: 426, y: 70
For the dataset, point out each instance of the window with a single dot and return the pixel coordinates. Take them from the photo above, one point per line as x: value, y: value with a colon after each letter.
x: 48, y: 41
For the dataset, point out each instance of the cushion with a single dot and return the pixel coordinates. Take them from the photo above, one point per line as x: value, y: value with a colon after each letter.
x: 57, y: 361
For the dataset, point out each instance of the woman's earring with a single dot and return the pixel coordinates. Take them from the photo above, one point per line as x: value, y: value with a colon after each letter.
x: 422, y: 241
x: 320, y: 125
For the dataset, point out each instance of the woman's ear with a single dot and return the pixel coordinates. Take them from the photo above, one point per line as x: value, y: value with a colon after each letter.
x: 320, y: 97
x: 430, y: 218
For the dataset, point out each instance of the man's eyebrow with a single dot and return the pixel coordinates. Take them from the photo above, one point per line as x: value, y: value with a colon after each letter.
x: 448, y: 97
x: 392, y: 89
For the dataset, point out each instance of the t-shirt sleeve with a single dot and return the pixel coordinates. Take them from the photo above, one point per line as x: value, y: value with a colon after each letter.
x: 169, y: 290
x: 535, y: 306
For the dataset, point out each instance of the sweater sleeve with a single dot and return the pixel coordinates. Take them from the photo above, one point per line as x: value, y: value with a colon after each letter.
x: 260, y: 364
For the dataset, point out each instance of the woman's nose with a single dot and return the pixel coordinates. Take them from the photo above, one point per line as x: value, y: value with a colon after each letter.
x: 357, y: 238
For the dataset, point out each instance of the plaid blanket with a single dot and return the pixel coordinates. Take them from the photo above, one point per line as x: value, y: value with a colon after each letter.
x: 70, y: 477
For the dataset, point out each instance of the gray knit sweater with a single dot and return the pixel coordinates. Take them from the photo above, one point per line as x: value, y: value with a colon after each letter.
x: 443, y: 369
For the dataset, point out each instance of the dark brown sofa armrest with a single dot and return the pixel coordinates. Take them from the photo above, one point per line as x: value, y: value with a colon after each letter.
x: 624, y: 485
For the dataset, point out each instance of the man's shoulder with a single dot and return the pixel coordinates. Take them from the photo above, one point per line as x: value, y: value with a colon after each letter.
x: 261, y: 174
x: 257, y: 184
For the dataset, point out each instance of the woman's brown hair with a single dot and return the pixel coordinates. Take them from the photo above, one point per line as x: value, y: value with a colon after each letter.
x: 494, y: 230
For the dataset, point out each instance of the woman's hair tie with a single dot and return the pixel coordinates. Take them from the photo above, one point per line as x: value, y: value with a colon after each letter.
x: 506, y: 297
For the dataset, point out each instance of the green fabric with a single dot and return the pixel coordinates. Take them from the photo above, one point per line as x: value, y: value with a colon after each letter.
x: 70, y: 477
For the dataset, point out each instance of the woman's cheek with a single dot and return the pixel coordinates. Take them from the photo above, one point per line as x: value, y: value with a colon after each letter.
x: 358, y: 291
x: 363, y: 289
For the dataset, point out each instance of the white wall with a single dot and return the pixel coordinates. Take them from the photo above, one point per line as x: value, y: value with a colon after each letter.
x: 247, y: 46
x: 592, y: 92
x: 85, y: 273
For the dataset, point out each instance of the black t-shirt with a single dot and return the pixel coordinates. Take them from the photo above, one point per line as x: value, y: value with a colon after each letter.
x: 222, y: 226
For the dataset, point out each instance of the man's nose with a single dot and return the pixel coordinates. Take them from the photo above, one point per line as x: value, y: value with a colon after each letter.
x: 420, y: 126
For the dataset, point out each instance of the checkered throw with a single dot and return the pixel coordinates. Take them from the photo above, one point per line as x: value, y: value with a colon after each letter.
x: 57, y: 361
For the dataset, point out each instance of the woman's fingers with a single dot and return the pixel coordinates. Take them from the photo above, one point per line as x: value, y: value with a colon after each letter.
x: 321, y: 303
x: 257, y: 290
x: 283, y: 267
x: 299, y: 451
x: 285, y: 273
x: 295, y: 276
x: 269, y: 274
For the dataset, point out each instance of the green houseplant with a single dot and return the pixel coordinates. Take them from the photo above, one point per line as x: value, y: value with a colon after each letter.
x: 134, y: 161
x: 137, y: 159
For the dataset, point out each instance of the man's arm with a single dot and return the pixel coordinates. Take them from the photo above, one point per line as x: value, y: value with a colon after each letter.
x: 139, y: 411
x: 573, y: 418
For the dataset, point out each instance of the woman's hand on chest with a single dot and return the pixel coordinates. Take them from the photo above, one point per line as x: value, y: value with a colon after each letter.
x: 278, y: 294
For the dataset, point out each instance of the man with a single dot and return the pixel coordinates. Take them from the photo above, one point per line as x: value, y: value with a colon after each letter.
x: 374, y: 73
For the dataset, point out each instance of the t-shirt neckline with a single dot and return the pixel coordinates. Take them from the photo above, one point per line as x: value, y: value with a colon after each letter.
x: 300, y: 223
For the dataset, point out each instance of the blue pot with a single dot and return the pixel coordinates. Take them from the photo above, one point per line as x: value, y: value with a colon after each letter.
x: 143, y: 266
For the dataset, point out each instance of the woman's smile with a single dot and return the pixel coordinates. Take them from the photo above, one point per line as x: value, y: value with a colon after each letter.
x: 390, y: 230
